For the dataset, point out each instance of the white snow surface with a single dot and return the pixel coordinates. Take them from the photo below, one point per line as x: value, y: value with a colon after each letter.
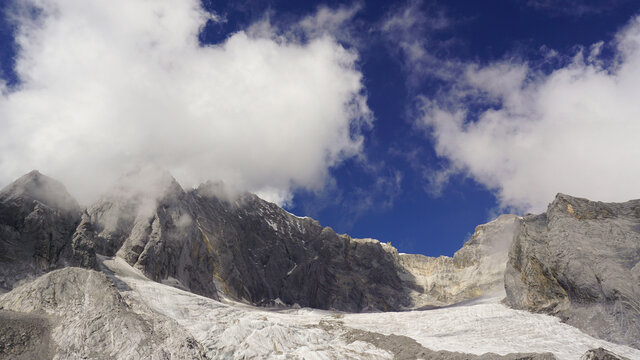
x: 234, y: 330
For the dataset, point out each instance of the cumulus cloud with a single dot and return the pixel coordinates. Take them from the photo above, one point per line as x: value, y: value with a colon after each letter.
x: 529, y: 135
x: 107, y: 86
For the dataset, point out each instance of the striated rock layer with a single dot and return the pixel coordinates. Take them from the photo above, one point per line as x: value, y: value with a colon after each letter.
x: 212, y: 240
x: 475, y: 270
x: 242, y: 246
x: 580, y: 261
x: 208, y: 241
x: 37, y: 219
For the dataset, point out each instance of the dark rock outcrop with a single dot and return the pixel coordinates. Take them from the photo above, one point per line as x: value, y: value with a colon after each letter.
x: 148, y: 220
x: 251, y: 249
x: 37, y: 219
x: 25, y: 336
x: 262, y: 253
x: 601, y: 354
x: 406, y: 348
x: 581, y: 262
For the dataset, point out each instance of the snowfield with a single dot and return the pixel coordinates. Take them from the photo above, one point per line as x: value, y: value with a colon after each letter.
x: 233, y: 330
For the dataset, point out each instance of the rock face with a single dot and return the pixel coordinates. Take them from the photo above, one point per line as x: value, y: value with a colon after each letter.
x: 262, y: 253
x: 149, y: 222
x: 210, y: 240
x: 37, y: 219
x: 206, y: 240
x: 253, y: 250
x: 82, y: 315
x: 601, y: 354
x: 25, y: 336
x: 580, y: 261
x: 476, y: 269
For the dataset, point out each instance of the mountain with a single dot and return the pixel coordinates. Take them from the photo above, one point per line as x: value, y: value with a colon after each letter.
x: 207, y: 242
x: 152, y: 270
x: 580, y: 261
x: 37, y: 219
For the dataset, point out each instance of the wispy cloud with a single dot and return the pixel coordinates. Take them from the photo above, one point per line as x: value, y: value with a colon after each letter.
x: 369, y: 188
x: 410, y: 31
x: 575, y: 7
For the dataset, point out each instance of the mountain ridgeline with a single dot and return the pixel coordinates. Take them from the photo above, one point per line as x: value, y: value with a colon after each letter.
x: 209, y: 243
x: 579, y: 261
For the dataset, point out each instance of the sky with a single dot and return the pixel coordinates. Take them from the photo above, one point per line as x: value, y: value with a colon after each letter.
x: 410, y: 122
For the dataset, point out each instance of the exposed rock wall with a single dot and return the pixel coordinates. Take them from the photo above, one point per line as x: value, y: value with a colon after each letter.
x: 37, y: 219
x: 580, y: 261
x: 151, y: 227
x: 210, y: 240
x: 476, y: 269
x: 253, y: 250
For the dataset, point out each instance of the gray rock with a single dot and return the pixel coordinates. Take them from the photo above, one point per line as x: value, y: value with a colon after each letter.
x: 581, y: 262
x: 25, y: 336
x: 406, y: 348
x: 476, y: 269
x: 601, y: 354
x: 262, y: 253
x: 91, y: 320
x: 212, y: 239
x: 149, y: 223
x: 37, y: 219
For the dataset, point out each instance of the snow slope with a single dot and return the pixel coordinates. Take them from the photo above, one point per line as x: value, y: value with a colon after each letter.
x: 233, y: 330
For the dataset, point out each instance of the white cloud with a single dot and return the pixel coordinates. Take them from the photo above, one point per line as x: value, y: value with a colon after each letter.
x: 332, y: 21
x: 575, y: 130
x: 106, y: 86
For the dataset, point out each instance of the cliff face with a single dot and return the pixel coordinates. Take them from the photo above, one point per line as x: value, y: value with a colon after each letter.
x: 580, y: 261
x: 207, y: 242
x: 242, y: 246
x: 37, y: 219
x: 210, y: 240
x: 151, y: 225
x: 476, y: 269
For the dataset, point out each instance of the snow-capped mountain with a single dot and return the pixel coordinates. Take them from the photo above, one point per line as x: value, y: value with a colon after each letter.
x: 154, y: 271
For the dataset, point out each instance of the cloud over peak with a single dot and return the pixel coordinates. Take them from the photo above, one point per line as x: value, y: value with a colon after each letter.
x: 104, y: 87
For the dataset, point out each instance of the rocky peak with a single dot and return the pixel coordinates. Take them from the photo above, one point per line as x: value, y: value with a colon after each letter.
x: 35, y: 186
x: 579, y: 208
x: 580, y: 261
x: 37, y: 218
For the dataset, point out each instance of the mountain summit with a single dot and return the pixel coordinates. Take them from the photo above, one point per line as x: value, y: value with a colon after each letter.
x: 37, y: 218
x: 179, y: 273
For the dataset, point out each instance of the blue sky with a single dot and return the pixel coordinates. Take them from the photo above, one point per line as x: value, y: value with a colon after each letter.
x: 443, y: 114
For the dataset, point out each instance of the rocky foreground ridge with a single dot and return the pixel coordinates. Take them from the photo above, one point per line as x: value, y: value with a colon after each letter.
x: 578, y: 261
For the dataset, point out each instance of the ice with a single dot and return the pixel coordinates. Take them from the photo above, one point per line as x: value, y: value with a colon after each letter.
x: 234, y: 330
